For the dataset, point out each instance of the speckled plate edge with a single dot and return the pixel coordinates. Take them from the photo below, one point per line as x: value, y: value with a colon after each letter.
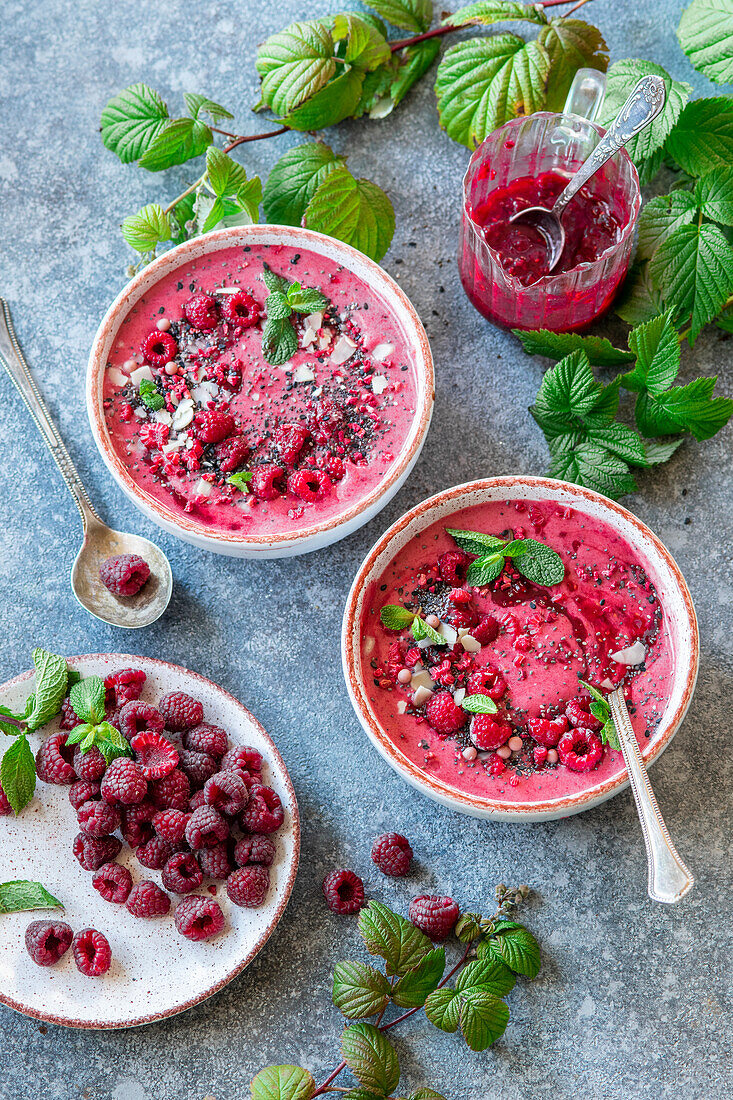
x: 380, y: 555
x: 128, y: 660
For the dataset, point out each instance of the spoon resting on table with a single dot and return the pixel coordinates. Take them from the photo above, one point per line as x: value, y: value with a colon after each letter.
x: 639, y: 110
x: 100, y: 541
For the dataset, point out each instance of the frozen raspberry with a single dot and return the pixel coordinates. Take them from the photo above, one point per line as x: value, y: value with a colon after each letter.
x: 453, y: 566
x: 198, y: 798
x: 46, y: 941
x: 206, y: 827
x: 148, y: 900
x: 268, y: 482
x: 171, y: 825
x: 309, y: 484
x: 329, y: 415
x: 198, y: 766
x: 138, y: 717
x: 212, y: 425
x: 182, y: 873
x: 152, y: 435
x: 69, y: 718
x: 227, y: 793
x: 172, y: 792
x: 82, y: 791
x: 124, y: 686
x: 547, y: 732
x: 463, y: 617
x: 264, y: 811
x: 6, y: 808
x: 343, y: 891
x: 443, y: 714
x: 254, y: 849
x: 113, y: 882
x: 124, y: 575
x: 92, y: 953
x: 207, y: 738
x: 486, y: 681
x: 580, y: 749
x: 435, y: 916
x: 216, y: 862
x: 579, y: 715
x: 198, y: 918
x: 243, y: 756
x: 392, y: 854
x: 248, y: 886
x: 250, y: 779
x: 90, y: 765
x: 124, y: 781
x: 156, y: 755
x: 201, y: 312
x: 180, y: 711
x: 231, y: 454
x: 485, y: 630
x: 290, y: 439
x: 98, y: 818
x: 158, y: 348
x: 489, y: 732
x: 154, y: 853
x: 240, y: 309
x: 93, y: 851
x: 333, y: 466
x: 54, y: 760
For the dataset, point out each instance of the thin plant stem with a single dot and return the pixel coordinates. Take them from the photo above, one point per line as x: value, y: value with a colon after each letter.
x: 448, y: 28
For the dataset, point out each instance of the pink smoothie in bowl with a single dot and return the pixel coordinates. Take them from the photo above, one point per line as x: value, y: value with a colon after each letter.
x: 238, y: 452
x: 517, y: 652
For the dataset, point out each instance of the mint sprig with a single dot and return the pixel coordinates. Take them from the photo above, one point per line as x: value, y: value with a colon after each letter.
x: 479, y: 704
x: 536, y: 561
x: 150, y: 395
x: 22, y: 895
x: 279, y: 338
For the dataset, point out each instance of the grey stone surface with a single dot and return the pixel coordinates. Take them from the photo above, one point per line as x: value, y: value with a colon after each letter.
x: 631, y: 1002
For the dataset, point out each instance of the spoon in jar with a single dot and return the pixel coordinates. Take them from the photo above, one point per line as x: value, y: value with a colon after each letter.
x: 641, y: 108
x: 669, y: 879
x: 100, y: 541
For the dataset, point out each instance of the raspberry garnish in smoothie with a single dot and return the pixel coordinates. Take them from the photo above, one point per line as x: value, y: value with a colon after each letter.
x: 492, y: 638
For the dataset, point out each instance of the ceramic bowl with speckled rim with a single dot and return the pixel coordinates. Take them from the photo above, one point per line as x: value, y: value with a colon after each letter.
x: 663, y: 570
x: 313, y: 534
x: 155, y: 971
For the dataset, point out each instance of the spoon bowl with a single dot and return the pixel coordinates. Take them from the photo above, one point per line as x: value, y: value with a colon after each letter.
x: 142, y: 609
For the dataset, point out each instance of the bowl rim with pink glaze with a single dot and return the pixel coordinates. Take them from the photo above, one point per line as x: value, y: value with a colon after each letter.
x: 313, y: 535
x: 665, y: 573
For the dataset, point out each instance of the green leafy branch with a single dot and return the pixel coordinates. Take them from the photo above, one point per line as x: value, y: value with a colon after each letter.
x: 415, y: 977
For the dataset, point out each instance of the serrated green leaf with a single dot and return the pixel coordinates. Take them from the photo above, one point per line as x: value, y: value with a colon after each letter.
x: 224, y: 174
x: 657, y: 453
x: 153, y: 399
x: 273, y: 281
x: 18, y: 773
x: 306, y: 299
x: 486, y: 12
x: 639, y: 299
x: 146, y: 229
x: 485, y: 569
x: 409, y: 15
x: 571, y: 44
x: 79, y: 733
x: 426, y: 1094
x: 443, y: 1008
x: 132, y: 120
x: 198, y: 105
x: 52, y: 678
x: 484, y: 82
x: 483, y: 1018
x: 488, y: 974
x: 395, y: 617
x: 393, y: 938
x: 181, y: 214
x: 714, y: 195
x: 600, y: 352
x: 279, y: 340
x: 283, y: 1083
x: 339, y: 99
x: 371, y: 1058
x: 181, y: 140
x: 660, y: 217
x: 362, y: 1094
x: 621, y: 79
x: 22, y: 895
x: 515, y: 945
x: 540, y: 563
x: 295, y: 64
x: 705, y: 33
x: 703, y: 137
x: 568, y: 391
x: 88, y: 699
x: 657, y: 349
x: 413, y: 988
x: 412, y: 64
x: 278, y: 307
x: 359, y: 990
x: 690, y: 408
x: 475, y: 542
x: 421, y: 629
x: 294, y: 180
x: 620, y: 440
x: 355, y: 211
x: 479, y: 704
x: 591, y: 465
x: 366, y: 48
x: 693, y: 269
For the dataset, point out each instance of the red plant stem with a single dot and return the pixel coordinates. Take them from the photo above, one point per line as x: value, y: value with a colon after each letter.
x: 253, y: 137
x: 448, y: 28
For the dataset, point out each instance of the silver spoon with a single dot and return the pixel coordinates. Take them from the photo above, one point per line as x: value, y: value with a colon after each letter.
x: 669, y: 879
x: 100, y: 541
x: 641, y: 108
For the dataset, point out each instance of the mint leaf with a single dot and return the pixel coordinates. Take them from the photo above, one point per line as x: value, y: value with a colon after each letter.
x: 705, y: 33
x: 132, y: 120
x: 279, y: 341
x: 486, y: 12
x: 150, y: 396
x: 639, y: 299
x: 278, y: 306
x: 198, y: 105
x: 240, y: 480
x: 306, y: 299
x: 657, y: 350
x: 88, y: 699
x: 366, y: 48
x: 359, y: 990
x: 571, y: 44
x: 693, y: 268
x: 395, y: 617
x: 283, y: 1083
x: 475, y: 542
x: 294, y: 180
x: 703, y: 136
x: 479, y: 704
x: 18, y: 773
x: 338, y: 100
x: 295, y: 64
x: 21, y: 895
x: 539, y: 563
x: 390, y: 936
x: 484, y: 82
x: 555, y: 345
x: 371, y: 1058
x: 355, y: 211
x: 443, y: 1009
x: 181, y: 140
x: 420, y: 630
x: 409, y: 15
x: 52, y: 677
x: 622, y: 77
x: 413, y: 988
x: 714, y: 195
x: 660, y: 217
x: 79, y: 733
x: 691, y: 408
x: 274, y: 282
x: 485, y: 570
x: 484, y: 1018
x: 146, y: 229
x: 515, y: 946
x: 489, y: 974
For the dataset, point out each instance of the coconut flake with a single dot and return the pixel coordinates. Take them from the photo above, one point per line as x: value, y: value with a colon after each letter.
x: 174, y: 445
x: 183, y: 415
x: 343, y: 350
x: 402, y: 706
x: 369, y: 643
x: 205, y: 392
x: 303, y: 373
x: 421, y: 696
x: 162, y: 416
x: 459, y: 696
x: 325, y: 339
x: 202, y: 488
x: 421, y: 679
x: 632, y: 655
x: 470, y: 644
x: 448, y: 633
x: 141, y: 414
x: 381, y: 351
x: 117, y: 376
x: 607, y: 684
x: 379, y: 384
x: 139, y: 374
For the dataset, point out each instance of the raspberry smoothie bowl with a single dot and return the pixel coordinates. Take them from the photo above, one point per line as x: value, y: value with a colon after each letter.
x: 262, y: 391
x: 485, y: 629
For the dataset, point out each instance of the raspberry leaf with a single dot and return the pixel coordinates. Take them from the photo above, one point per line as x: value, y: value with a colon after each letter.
x: 181, y: 140
x: 359, y: 990
x: 425, y: 1094
x: 88, y: 699
x: 490, y: 974
x: 468, y: 927
x: 412, y: 64
x: 592, y: 465
x: 226, y: 177
x: 409, y: 15
x: 556, y: 345
x: 714, y: 195
x: 657, y: 349
x: 365, y: 46
x: 514, y: 945
x: 693, y: 269
x: 479, y: 704
x: 415, y: 986
x: 295, y: 179
x: 395, y: 939
x: 371, y: 1058
x: 622, y: 78
x: 705, y: 33
x: 18, y: 773
x: 283, y: 1083
x: 703, y: 136
x: 338, y: 100
x: 486, y: 12
x: 198, y: 105
x: 295, y: 64
x: 691, y: 408
x: 22, y: 894
x: 52, y: 678
x: 395, y: 617
x: 659, y: 219
x: 355, y: 211
x: 571, y: 44
x: 639, y: 299
x: 148, y: 228
x: 443, y: 1009
x: 132, y: 120
x: 483, y: 1018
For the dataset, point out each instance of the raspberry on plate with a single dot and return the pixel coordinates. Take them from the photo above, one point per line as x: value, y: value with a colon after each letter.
x: 264, y: 811
x: 54, y: 760
x: 98, y: 818
x: 89, y: 765
x: 93, y: 851
x: 180, y: 711
x: 206, y: 827
x: 124, y: 686
x: 201, y: 313
x: 486, y: 681
x: 138, y: 717
x: 248, y: 886
x: 453, y: 566
x: 6, y: 808
x: 92, y: 953
x: 113, y: 882
x: 198, y: 918
x: 215, y: 862
x: 46, y: 941
x: 124, y: 781
x: 156, y: 755
x: 171, y: 825
x: 198, y: 766
x: 154, y: 853
x: 242, y: 756
x: 547, y: 731
x: 231, y: 453
x: 213, y: 425
x: 254, y: 849
x: 443, y: 713
x: 206, y: 738
x: 392, y: 854
x: 226, y: 792
x: 343, y: 891
x: 82, y: 791
x: 182, y: 873
x: 172, y: 792
x: 124, y: 575
x: 433, y: 915
x: 148, y: 900
x: 69, y: 717
x: 578, y: 714
x: 486, y: 630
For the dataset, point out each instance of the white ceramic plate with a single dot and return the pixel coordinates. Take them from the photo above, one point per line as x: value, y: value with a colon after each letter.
x: 155, y: 972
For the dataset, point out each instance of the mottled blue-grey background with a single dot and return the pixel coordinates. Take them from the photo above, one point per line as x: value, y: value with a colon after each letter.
x: 631, y: 1002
